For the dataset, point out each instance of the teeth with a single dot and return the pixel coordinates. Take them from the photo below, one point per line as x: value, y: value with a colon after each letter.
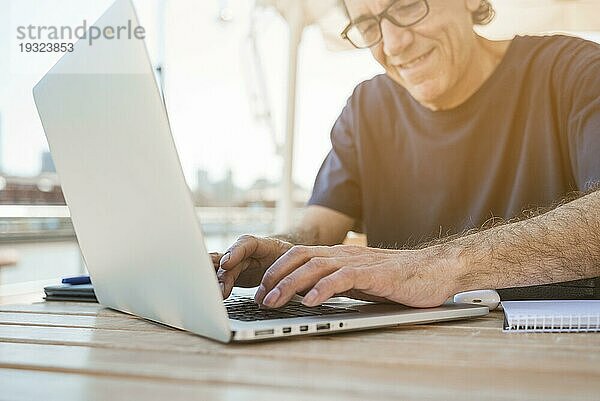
x: 414, y: 62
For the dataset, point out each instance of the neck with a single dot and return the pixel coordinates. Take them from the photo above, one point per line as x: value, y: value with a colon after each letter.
x: 482, y: 63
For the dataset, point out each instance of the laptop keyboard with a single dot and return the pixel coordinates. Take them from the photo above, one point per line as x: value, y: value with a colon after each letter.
x: 245, y: 309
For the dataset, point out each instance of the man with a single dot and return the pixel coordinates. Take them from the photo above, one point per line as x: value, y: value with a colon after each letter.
x: 458, y: 130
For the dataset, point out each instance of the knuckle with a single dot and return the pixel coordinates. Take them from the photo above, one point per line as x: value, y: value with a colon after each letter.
x: 245, y: 237
x: 349, y: 249
x: 347, y: 272
x: 287, y: 282
x: 269, y: 277
x: 295, y: 251
x: 325, y: 283
x: 316, y: 263
x: 301, y: 249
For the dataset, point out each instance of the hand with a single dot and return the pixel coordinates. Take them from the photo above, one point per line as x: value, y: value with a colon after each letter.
x: 416, y: 278
x: 245, y: 262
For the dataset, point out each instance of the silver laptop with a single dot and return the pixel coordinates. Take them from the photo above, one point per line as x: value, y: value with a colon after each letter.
x: 109, y: 135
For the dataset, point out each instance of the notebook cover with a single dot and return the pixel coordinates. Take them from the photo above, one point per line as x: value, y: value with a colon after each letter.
x: 579, y: 289
x: 68, y: 292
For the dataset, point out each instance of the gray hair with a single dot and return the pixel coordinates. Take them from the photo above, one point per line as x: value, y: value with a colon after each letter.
x: 484, y: 14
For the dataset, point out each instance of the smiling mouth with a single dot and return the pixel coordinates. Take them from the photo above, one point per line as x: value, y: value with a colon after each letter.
x: 414, y: 62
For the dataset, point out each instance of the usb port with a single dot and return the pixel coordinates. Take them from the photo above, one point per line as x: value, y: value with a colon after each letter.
x: 303, y: 328
x: 323, y: 326
x: 287, y: 330
x: 266, y: 332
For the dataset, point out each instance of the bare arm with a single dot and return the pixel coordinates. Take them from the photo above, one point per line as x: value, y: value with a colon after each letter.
x: 560, y: 245
x: 319, y: 226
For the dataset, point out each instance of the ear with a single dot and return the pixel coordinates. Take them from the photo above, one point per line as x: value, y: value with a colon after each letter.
x: 472, y: 5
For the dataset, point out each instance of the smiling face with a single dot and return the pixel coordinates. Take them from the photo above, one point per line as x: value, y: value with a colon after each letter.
x: 433, y: 58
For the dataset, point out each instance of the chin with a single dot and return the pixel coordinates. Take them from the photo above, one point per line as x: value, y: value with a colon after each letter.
x: 426, y: 93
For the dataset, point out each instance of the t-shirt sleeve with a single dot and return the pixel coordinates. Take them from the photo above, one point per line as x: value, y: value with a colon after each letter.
x: 583, y: 83
x: 337, y: 185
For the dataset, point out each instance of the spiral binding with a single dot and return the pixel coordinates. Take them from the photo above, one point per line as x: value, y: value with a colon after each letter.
x: 554, y: 323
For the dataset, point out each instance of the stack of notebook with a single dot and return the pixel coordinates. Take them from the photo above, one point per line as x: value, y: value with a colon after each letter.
x: 71, y: 292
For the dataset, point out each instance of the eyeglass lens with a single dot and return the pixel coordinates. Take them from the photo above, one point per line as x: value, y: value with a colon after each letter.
x: 367, y: 31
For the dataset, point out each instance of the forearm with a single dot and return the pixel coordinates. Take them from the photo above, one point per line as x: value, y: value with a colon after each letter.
x: 319, y: 226
x: 300, y: 237
x: 560, y: 245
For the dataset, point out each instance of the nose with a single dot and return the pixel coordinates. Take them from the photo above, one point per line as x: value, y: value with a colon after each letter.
x: 395, y: 39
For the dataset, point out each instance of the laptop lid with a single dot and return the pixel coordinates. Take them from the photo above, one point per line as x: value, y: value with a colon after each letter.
x: 110, y: 139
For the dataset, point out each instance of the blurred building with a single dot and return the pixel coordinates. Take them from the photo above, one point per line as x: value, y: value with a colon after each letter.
x: 216, y: 193
x: 41, y: 190
x: 266, y: 193
x: 224, y: 193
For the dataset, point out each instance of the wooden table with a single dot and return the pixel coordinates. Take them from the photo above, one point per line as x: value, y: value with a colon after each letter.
x: 76, y: 351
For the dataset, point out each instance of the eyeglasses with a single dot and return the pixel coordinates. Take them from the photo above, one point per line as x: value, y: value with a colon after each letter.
x: 366, y: 32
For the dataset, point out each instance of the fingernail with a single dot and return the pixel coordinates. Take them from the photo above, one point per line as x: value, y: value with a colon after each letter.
x: 272, y: 297
x: 222, y: 288
x: 260, y: 294
x: 310, y: 298
x: 224, y: 259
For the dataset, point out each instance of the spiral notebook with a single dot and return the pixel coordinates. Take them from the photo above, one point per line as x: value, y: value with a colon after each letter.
x: 552, y: 316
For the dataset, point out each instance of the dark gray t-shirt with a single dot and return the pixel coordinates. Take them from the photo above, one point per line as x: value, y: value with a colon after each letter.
x: 527, y: 137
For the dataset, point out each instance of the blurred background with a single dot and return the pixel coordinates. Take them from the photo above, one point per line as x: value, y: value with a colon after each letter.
x: 252, y: 88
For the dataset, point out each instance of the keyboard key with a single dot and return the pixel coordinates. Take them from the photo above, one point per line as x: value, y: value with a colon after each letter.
x: 245, y: 309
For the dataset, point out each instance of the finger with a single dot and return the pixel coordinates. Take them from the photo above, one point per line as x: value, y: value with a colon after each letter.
x: 215, y: 257
x: 228, y: 277
x: 252, y: 275
x: 245, y: 246
x: 284, y: 265
x: 301, y: 279
x: 338, y: 282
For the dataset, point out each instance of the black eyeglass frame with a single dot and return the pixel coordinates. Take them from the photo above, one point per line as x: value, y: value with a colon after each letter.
x: 380, y: 17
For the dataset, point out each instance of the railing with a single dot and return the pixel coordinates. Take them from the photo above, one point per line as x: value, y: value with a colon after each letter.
x: 33, y: 223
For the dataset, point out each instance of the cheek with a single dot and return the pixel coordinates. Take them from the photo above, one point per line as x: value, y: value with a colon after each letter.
x: 456, y: 57
x: 378, y: 54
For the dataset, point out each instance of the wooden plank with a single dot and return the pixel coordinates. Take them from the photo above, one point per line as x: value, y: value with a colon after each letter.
x: 387, y: 348
x: 405, y: 380
x: 21, y: 385
x: 80, y: 321
x: 439, y: 339
x: 437, y: 361
x: 26, y: 298
x: 265, y: 372
x: 63, y: 308
x: 485, y: 331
